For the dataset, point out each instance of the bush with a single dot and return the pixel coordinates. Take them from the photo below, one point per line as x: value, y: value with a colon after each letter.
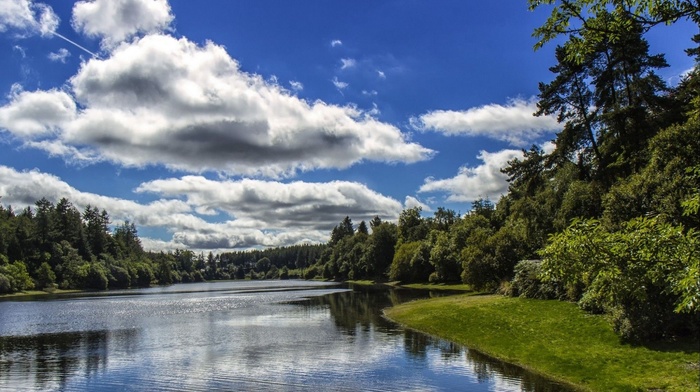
x: 96, y: 277
x: 5, y: 286
x: 310, y: 273
x: 527, y: 282
x: 119, y: 277
x: 645, y: 274
x: 17, y: 276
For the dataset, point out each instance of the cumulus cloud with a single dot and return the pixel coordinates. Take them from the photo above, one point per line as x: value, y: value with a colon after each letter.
x: 195, y: 110
x: 336, y: 42
x: 34, y: 114
x: 26, y: 18
x: 115, y: 21
x: 412, y: 202
x: 60, y: 56
x: 381, y: 74
x: 246, y: 213
x: 472, y: 183
x: 317, y: 206
x: 23, y: 188
x: 514, y: 122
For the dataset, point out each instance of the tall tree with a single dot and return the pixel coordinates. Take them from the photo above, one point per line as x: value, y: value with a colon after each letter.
x: 128, y: 240
x: 362, y: 228
x: 412, y: 226
x: 97, y: 229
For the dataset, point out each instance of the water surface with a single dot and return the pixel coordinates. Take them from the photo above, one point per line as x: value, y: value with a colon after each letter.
x: 260, y: 335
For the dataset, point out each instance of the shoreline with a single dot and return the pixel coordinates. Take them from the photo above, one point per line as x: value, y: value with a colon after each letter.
x: 34, y: 293
x: 554, y: 339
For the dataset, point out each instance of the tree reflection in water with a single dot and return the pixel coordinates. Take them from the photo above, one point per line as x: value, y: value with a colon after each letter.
x: 51, y: 359
x: 361, y: 309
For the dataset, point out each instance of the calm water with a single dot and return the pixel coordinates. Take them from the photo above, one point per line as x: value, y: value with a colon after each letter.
x: 265, y: 335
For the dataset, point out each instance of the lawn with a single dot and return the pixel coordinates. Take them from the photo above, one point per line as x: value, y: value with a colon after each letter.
x: 556, y: 339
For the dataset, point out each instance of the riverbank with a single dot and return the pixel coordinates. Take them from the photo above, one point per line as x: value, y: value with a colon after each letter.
x: 556, y: 339
x: 33, y: 293
x: 415, y: 286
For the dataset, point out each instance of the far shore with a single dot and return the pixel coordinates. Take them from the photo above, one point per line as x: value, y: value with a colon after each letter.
x: 33, y: 293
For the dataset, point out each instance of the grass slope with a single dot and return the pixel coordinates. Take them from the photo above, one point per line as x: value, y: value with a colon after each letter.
x: 438, y: 286
x: 33, y: 293
x: 556, y: 339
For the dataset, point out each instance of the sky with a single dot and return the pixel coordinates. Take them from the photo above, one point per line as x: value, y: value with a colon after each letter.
x: 224, y: 125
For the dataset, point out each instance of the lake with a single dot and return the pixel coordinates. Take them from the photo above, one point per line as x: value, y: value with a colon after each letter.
x: 238, y: 335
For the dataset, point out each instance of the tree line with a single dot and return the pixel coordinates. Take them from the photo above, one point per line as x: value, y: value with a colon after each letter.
x: 56, y: 246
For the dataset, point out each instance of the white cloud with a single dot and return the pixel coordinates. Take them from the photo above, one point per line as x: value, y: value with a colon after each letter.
x: 195, y: 110
x: 61, y: 55
x: 381, y: 74
x: 336, y: 42
x: 256, y: 213
x: 26, y: 17
x: 296, y: 86
x: 278, y: 205
x: 412, y: 202
x: 548, y: 147
x: 73, y: 155
x: 370, y: 92
x: 338, y: 84
x: 23, y: 188
x: 115, y: 21
x: 472, y: 183
x: 514, y: 123
x: 347, y: 63
x: 34, y: 114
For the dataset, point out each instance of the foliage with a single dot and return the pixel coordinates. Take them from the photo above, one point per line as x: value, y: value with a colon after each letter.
x: 586, y: 22
x: 402, y: 266
x: 14, y: 277
x: 45, y: 277
x: 489, y: 257
x: 527, y: 282
x: 644, y: 274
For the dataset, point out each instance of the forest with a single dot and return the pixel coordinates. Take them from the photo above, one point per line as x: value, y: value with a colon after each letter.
x: 57, y: 246
x: 608, y: 219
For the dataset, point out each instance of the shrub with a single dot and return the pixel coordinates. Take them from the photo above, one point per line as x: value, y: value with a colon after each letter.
x: 528, y: 283
x: 5, y: 286
x: 645, y: 274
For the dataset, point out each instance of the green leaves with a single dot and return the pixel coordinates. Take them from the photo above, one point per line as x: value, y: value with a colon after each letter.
x: 691, y: 205
x: 645, y: 264
x: 593, y: 19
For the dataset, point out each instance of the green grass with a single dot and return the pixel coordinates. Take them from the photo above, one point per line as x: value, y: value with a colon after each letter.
x: 439, y: 286
x: 362, y: 282
x: 555, y: 339
x: 37, y: 292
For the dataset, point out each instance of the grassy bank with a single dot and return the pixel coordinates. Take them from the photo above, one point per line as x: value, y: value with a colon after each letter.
x: 439, y: 286
x: 556, y: 339
x: 37, y: 292
x: 416, y: 286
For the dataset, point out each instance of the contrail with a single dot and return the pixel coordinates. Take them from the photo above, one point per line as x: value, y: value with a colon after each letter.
x: 74, y: 43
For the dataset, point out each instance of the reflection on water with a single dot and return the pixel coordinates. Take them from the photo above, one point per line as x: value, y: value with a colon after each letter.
x: 291, y: 336
x: 48, y: 360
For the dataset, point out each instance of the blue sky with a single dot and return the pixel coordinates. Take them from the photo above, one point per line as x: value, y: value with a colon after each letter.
x: 220, y: 124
